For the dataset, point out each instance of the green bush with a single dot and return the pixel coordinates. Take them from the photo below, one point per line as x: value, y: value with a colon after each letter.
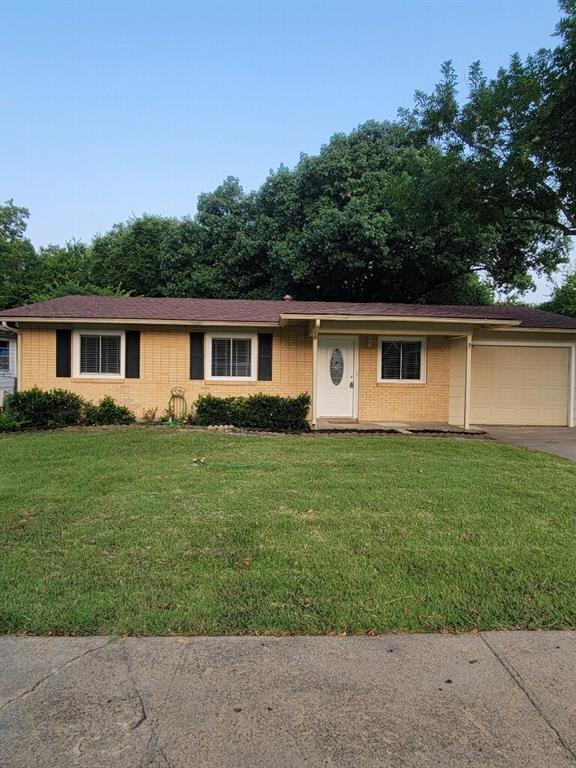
x: 270, y: 412
x: 38, y: 409
x: 107, y: 411
x: 215, y: 410
x: 9, y: 422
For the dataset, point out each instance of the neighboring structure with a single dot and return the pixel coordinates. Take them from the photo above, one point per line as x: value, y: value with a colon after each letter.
x: 371, y: 362
x: 7, y: 362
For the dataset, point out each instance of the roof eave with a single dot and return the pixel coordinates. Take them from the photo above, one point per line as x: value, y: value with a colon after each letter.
x: 549, y: 329
x: 139, y: 321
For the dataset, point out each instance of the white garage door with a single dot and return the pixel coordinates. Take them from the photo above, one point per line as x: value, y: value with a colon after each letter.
x: 520, y: 385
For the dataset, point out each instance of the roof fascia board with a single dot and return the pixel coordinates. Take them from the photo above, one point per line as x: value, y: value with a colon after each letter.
x: 136, y: 321
x: 539, y: 330
x: 352, y: 330
x: 403, y: 319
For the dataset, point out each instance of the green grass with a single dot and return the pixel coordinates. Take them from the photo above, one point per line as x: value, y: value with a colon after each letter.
x: 119, y: 531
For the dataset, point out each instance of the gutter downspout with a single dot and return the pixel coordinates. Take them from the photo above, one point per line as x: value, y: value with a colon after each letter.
x: 315, y: 331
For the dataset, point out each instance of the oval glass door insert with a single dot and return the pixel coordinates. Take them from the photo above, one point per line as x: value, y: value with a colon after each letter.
x: 336, y: 366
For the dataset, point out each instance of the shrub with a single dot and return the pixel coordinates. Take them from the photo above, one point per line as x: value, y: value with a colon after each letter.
x: 9, y: 422
x: 38, y: 409
x: 107, y: 411
x: 216, y: 410
x: 270, y: 412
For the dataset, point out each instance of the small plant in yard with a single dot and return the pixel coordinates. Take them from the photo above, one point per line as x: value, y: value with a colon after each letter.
x: 269, y: 412
x: 150, y: 414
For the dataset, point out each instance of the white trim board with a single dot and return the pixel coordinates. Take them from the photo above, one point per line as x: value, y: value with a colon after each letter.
x: 490, y: 343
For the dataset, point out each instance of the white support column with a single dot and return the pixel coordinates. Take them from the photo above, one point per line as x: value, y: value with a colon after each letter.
x: 572, y: 394
x: 468, y: 381
x: 315, y: 331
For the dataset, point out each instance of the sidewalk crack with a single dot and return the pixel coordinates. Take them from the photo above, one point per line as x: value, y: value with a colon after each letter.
x: 517, y: 678
x: 154, y: 740
x: 54, y: 672
x: 143, y: 714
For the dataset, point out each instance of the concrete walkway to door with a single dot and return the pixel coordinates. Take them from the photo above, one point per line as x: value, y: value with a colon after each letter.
x: 559, y: 441
x: 485, y: 700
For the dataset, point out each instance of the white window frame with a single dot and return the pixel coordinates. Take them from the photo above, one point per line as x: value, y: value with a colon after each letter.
x: 11, y: 372
x: 423, y: 360
x: 227, y: 335
x: 100, y: 332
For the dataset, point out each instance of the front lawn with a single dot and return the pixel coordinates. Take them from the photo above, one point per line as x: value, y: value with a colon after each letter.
x: 127, y: 531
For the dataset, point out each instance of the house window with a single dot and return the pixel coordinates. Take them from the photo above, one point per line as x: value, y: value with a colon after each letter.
x: 231, y: 357
x: 99, y: 354
x: 5, y: 361
x: 402, y: 360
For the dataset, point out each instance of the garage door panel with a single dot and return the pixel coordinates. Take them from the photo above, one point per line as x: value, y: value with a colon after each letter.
x: 520, y: 385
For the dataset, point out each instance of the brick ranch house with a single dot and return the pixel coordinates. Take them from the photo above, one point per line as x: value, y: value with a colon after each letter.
x: 457, y: 365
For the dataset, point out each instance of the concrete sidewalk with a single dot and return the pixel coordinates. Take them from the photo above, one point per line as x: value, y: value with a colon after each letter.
x: 493, y: 699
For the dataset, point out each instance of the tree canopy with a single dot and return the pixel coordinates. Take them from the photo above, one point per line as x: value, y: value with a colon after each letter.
x: 563, y: 299
x: 458, y: 197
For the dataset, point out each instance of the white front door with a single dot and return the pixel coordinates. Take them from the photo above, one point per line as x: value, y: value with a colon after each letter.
x: 336, y: 377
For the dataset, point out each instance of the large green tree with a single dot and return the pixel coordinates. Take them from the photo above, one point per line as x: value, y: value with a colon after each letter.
x: 128, y: 256
x: 378, y: 214
x: 515, y: 136
x: 216, y: 253
x: 18, y: 258
x: 69, y: 269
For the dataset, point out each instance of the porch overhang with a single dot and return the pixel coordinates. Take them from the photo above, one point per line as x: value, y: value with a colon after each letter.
x: 395, y: 326
x: 387, y: 325
x: 361, y: 321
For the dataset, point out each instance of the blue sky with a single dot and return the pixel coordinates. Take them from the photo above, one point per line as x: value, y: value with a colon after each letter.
x: 111, y: 109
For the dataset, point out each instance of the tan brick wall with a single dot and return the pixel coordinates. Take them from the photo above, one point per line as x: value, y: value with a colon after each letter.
x: 164, y: 364
x: 164, y: 361
x: 404, y: 402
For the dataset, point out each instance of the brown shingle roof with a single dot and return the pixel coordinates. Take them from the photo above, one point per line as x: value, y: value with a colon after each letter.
x: 260, y: 311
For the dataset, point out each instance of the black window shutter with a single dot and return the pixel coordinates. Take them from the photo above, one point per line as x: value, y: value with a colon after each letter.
x: 264, y: 357
x: 132, y: 354
x: 196, y: 355
x: 63, y: 352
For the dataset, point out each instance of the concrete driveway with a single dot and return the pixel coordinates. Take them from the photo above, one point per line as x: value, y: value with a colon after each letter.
x: 560, y: 441
x: 494, y: 699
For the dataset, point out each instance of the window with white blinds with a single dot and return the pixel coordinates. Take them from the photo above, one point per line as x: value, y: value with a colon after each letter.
x: 100, y: 354
x: 402, y: 360
x: 231, y: 357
